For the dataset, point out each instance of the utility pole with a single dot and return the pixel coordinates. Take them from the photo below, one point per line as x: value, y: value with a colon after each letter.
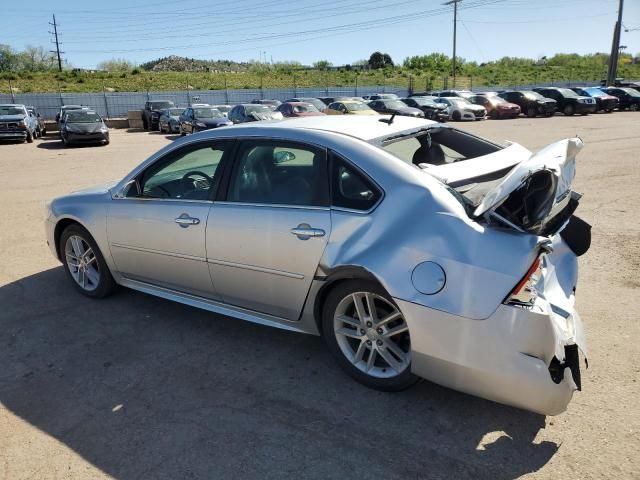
x: 55, y: 34
x: 455, y: 25
x: 615, y: 49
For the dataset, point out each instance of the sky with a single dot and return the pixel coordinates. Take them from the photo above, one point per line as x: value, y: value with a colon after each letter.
x: 340, y: 31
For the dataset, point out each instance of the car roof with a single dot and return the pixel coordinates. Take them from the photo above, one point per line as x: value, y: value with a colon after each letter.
x: 364, y: 127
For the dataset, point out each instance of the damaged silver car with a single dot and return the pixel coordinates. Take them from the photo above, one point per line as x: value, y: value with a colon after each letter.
x: 415, y: 249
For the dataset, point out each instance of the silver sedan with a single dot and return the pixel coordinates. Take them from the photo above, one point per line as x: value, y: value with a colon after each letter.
x: 415, y: 249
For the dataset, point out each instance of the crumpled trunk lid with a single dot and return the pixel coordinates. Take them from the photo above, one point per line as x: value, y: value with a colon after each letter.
x: 536, y: 196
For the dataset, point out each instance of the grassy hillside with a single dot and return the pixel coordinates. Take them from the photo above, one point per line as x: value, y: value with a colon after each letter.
x: 136, y: 80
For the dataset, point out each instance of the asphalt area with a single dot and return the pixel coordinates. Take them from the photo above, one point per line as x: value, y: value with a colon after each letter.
x: 138, y: 387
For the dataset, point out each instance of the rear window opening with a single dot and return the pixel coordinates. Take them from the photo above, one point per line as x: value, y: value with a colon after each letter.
x: 439, y: 146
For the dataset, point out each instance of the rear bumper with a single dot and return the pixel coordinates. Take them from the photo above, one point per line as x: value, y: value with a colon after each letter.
x: 504, y: 358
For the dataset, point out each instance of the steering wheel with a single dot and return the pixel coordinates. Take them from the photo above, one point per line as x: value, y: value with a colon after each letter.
x: 188, y: 183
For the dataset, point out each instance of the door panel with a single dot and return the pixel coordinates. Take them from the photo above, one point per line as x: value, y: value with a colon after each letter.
x: 255, y: 260
x: 148, y: 245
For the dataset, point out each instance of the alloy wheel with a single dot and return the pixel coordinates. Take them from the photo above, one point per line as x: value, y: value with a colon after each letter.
x: 372, y: 334
x: 82, y: 263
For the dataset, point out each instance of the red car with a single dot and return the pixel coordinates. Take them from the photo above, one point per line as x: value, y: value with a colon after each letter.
x: 496, y: 107
x: 298, y: 109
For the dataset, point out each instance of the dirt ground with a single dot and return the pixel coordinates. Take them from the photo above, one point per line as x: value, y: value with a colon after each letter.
x: 138, y: 387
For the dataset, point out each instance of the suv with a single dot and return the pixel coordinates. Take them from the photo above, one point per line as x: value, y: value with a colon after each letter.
x: 41, y: 129
x: 152, y: 111
x: 16, y: 123
x: 604, y: 101
x: 569, y: 102
x: 629, y: 98
x: 531, y: 103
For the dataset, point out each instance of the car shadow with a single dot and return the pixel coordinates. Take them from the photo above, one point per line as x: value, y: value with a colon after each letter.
x: 143, y: 387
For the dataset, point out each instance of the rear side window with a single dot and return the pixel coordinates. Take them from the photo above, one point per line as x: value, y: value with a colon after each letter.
x: 350, y: 188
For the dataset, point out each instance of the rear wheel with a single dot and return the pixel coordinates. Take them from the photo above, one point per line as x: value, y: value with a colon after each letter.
x: 456, y: 116
x: 368, y: 335
x: 634, y: 107
x: 531, y: 112
x: 569, y: 110
x: 84, y: 264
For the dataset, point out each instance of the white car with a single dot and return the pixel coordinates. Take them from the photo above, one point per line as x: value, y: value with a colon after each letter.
x: 461, y: 109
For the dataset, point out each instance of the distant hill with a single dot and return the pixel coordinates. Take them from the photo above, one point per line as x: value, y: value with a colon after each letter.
x: 175, y: 63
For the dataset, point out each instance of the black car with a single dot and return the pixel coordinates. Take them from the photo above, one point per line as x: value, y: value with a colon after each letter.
x: 568, y: 101
x: 251, y: 112
x: 152, y: 111
x: 395, y: 106
x: 531, y: 103
x: 604, y: 101
x: 83, y: 126
x: 431, y: 109
x: 196, y: 119
x: 629, y: 97
x: 41, y: 129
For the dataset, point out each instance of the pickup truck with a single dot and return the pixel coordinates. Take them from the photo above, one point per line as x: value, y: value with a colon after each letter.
x: 16, y: 123
x: 152, y: 111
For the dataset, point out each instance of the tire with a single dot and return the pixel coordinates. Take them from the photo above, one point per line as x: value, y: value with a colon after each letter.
x: 44, y: 132
x: 531, y: 112
x: 569, y: 110
x: 634, y: 107
x: 29, y: 137
x: 494, y: 115
x: 455, y: 116
x: 389, y: 368
x: 609, y: 110
x: 145, y: 124
x: 98, y: 284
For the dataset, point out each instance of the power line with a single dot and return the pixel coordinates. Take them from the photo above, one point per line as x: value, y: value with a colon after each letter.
x: 55, y: 34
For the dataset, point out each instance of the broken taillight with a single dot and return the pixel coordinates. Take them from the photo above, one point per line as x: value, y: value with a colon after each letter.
x: 525, y: 292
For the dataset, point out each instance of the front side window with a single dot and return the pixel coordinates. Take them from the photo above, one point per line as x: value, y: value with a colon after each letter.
x: 190, y: 173
x: 350, y: 188
x: 280, y: 173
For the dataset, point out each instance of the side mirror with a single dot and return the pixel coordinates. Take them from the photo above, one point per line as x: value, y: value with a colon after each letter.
x: 131, y: 189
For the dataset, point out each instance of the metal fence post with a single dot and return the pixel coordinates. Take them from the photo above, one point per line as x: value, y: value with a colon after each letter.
x: 13, y: 97
x: 355, y: 92
x: 262, y: 86
x: 60, y: 93
x: 295, y: 86
x: 106, y: 105
x: 226, y: 91
x: 326, y: 85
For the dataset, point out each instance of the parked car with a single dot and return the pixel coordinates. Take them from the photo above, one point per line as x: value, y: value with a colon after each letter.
x: 298, y: 109
x: 477, y: 295
x: 349, y: 107
x: 82, y: 127
x: 16, y: 123
x: 327, y: 100
x: 456, y: 93
x: 496, y: 107
x: 487, y: 94
x: 460, y: 109
x: 224, y: 109
x: 431, y: 108
x: 395, y: 107
x: 568, y: 101
x: 169, y: 120
x: 604, y: 101
x: 629, y: 98
x: 196, y: 119
x: 152, y: 111
x: 251, y: 112
x: 41, y: 128
x: 271, y: 103
x: 316, y: 102
x: 531, y: 103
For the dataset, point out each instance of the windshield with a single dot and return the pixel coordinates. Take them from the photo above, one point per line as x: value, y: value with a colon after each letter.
x: 161, y: 105
x: 459, y: 102
x: 631, y: 91
x: 593, y: 91
x: 304, y: 108
x: 223, y: 108
x: 393, y: 104
x: 257, y: 109
x: 357, y: 106
x: 315, y: 102
x: 175, y: 112
x: 533, y: 95
x: 82, y: 117
x: 423, y: 101
x: 207, y: 113
x: 567, y: 92
x: 9, y: 110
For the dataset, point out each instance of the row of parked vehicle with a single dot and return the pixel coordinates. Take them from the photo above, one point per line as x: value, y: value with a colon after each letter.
x: 456, y: 105
x: 20, y: 122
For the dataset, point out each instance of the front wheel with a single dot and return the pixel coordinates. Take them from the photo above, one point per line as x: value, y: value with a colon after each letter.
x: 368, y: 335
x: 634, y: 107
x: 29, y: 137
x: 531, y: 112
x: 569, y: 110
x: 84, y: 264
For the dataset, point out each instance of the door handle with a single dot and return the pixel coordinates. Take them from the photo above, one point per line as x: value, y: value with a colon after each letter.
x: 304, y: 231
x: 185, y: 220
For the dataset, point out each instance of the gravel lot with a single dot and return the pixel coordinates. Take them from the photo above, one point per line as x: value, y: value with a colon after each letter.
x: 138, y: 387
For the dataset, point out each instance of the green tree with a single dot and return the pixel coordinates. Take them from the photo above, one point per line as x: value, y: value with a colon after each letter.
x: 115, y: 65
x: 322, y: 64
